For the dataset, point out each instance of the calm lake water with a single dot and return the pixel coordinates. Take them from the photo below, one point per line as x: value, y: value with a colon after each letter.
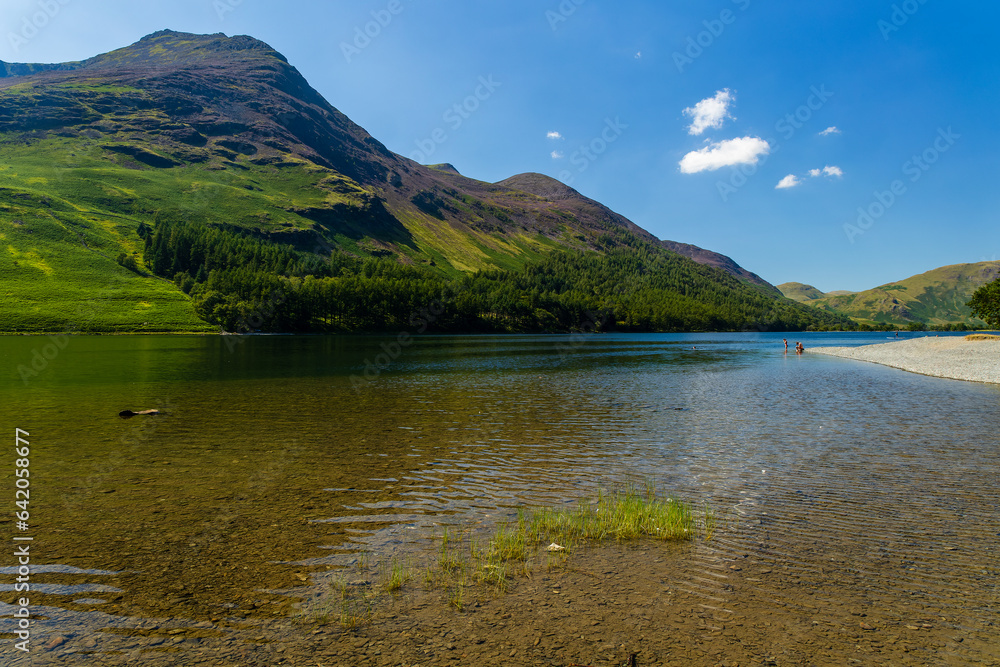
x: 277, y: 458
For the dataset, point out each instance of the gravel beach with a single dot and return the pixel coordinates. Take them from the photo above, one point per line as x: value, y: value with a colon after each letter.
x: 948, y: 357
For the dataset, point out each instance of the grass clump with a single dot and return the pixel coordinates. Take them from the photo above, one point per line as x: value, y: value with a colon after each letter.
x: 348, y: 608
x: 396, y: 575
x: 450, y: 558
x: 509, y: 542
x: 982, y: 336
x: 629, y: 513
x: 456, y: 597
x: 626, y: 514
x: 466, y: 564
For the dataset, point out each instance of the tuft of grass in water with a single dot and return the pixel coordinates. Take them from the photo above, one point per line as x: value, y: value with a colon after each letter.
x: 396, y: 575
x: 452, y: 558
x: 364, y: 560
x: 709, y: 523
x: 507, y: 543
x: 321, y: 615
x: 632, y: 512
x: 457, y: 597
x: 339, y: 587
x: 492, y: 562
x: 495, y: 576
x: 626, y: 514
x: 344, y: 606
x: 980, y: 336
x: 354, y: 612
x: 506, y: 551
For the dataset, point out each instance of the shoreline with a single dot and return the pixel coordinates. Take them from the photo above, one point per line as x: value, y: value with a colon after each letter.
x: 953, y: 358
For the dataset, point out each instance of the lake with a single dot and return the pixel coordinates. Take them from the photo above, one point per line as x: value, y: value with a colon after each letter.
x: 277, y: 459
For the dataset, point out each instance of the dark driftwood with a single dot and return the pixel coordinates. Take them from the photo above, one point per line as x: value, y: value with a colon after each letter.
x: 128, y: 413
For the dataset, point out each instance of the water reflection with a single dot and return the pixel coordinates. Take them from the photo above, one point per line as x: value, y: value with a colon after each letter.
x: 274, y: 457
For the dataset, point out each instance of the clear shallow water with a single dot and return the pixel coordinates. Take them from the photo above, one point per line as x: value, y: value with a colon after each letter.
x: 275, y: 456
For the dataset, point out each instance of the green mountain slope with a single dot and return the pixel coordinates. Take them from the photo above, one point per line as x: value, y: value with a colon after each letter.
x: 936, y: 297
x: 223, y: 132
x: 800, y: 292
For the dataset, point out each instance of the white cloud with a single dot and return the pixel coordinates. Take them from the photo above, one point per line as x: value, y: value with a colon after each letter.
x: 833, y: 171
x: 554, y: 135
x: 830, y: 130
x: 710, y: 112
x: 815, y: 172
x: 557, y: 155
x: 789, y: 181
x: 744, y: 150
x: 638, y: 55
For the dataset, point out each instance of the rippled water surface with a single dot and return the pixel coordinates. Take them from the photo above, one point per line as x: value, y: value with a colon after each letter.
x: 276, y: 457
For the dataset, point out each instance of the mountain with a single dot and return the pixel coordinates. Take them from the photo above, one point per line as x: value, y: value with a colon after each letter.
x: 223, y: 133
x: 719, y: 261
x: 214, y: 115
x: 800, y: 292
x: 936, y: 297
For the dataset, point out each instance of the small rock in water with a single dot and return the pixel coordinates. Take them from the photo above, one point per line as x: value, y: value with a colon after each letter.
x: 55, y: 642
x: 555, y: 547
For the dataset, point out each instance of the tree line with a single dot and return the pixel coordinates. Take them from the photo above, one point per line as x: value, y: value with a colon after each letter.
x: 242, y: 283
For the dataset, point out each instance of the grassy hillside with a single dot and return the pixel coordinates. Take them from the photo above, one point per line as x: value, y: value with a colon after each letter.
x: 59, y: 269
x: 223, y: 133
x: 800, y: 292
x: 937, y: 297
x: 226, y: 131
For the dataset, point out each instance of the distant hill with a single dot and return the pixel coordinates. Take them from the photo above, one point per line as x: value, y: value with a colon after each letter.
x: 800, y: 292
x: 195, y: 132
x: 444, y: 166
x: 719, y: 261
x: 936, y: 297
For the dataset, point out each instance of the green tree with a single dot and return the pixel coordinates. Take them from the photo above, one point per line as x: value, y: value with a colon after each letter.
x: 985, y: 303
x: 128, y: 261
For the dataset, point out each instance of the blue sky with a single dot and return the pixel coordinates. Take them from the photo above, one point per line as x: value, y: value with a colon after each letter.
x: 761, y: 82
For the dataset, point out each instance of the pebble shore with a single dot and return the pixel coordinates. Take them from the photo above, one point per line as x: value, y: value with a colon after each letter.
x: 946, y: 357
